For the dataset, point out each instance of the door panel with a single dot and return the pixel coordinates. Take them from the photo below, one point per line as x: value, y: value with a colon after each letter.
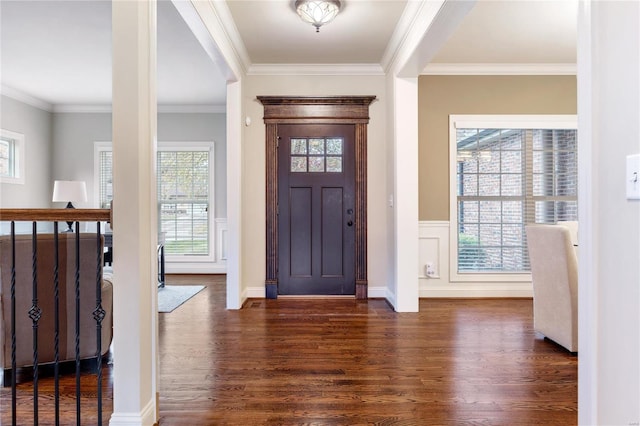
x: 332, y: 236
x: 300, y: 232
x: 316, y: 182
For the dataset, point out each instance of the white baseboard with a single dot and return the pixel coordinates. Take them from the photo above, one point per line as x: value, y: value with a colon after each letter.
x: 146, y: 417
x: 449, y: 290
x: 258, y: 292
x: 377, y: 292
x: 255, y: 292
x: 478, y: 291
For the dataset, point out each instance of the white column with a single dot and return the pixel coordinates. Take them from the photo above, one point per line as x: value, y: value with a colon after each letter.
x: 434, y: 22
x: 609, y: 234
x: 587, y: 212
x: 135, y: 212
x: 234, y: 196
x: 405, y: 143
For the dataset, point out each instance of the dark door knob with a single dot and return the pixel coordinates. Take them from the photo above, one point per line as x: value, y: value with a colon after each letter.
x: 350, y: 223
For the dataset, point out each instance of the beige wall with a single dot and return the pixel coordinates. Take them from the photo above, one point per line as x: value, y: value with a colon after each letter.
x: 440, y: 96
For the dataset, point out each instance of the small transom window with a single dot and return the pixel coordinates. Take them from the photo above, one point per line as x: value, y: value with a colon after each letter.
x: 316, y: 155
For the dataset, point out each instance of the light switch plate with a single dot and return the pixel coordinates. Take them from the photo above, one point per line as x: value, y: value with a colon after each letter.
x: 633, y: 177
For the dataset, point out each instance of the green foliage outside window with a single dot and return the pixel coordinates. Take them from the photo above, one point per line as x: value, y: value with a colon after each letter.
x: 471, y: 257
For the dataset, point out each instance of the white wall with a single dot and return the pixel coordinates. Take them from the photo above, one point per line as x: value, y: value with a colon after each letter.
x: 74, y: 135
x: 609, y: 110
x: 35, y: 125
x: 253, y: 220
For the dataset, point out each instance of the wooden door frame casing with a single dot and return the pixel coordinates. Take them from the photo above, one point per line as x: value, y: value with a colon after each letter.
x: 316, y: 110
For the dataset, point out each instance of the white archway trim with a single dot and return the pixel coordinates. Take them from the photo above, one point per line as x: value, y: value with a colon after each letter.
x: 212, y: 25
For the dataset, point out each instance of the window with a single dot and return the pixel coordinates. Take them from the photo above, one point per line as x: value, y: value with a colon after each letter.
x: 11, y: 157
x: 509, y: 171
x: 185, y: 189
x: 183, y: 201
x: 105, y: 180
x: 316, y: 155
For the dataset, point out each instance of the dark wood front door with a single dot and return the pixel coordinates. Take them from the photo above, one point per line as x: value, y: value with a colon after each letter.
x: 316, y: 183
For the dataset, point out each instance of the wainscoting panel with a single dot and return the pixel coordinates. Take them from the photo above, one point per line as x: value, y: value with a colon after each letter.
x: 433, y: 240
x: 221, y: 239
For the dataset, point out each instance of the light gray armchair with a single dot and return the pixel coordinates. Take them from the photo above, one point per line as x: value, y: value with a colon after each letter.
x: 554, y: 271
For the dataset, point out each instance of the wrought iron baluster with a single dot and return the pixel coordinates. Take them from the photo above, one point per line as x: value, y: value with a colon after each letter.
x: 56, y: 319
x: 77, y: 323
x: 99, y: 314
x: 35, y: 313
x: 20, y: 310
x: 13, y: 325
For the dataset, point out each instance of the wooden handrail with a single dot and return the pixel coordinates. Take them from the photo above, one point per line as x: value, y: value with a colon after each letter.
x: 53, y: 215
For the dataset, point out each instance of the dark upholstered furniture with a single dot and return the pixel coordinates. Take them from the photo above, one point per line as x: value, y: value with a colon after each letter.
x: 45, y: 273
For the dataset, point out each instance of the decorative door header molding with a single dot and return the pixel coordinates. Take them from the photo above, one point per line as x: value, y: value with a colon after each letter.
x: 316, y: 110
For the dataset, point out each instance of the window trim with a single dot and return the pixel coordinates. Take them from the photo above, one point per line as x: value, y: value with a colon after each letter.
x: 173, y: 146
x: 19, y: 160
x: 515, y: 121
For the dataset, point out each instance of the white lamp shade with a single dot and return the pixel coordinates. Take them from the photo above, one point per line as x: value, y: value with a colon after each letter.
x: 69, y: 191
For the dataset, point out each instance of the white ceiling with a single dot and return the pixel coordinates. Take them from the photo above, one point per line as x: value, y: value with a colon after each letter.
x: 515, y: 31
x: 60, y: 51
x: 273, y: 34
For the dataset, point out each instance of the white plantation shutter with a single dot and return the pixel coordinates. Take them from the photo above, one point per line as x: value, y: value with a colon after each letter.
x: 555, y: 175
x: 105, y: 179
x: 507, y: 178
x: 6, y: 155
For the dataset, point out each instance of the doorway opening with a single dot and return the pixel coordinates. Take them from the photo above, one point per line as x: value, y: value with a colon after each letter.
x: 310, y: 251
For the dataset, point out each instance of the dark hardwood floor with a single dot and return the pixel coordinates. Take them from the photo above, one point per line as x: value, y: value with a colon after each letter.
x: 348, y: 362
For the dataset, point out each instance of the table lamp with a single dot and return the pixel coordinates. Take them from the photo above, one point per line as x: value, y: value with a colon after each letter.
x: 69, y: 191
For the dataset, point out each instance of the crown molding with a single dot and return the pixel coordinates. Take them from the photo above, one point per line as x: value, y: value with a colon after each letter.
x: 230, y: 28
x: 192, y: 109
x: 82, y: 108
x: 315, y: 69
x: 104, y: 108
x: 211, y: 23
x: 167, y: 108
x: 23, y: 97
x: 500, y: 69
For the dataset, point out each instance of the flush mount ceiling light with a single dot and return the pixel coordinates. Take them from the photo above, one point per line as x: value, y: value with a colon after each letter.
x: 317, y: 12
